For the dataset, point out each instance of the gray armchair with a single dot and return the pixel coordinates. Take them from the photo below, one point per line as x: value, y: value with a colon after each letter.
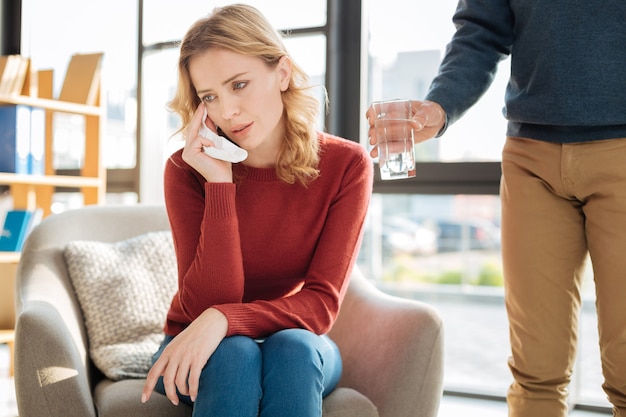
x: 392, y: 348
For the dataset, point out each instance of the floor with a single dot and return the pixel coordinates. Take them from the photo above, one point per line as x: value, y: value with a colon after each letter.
x: 454, y: 406
x: 8, y: 407
x: 451, y: 406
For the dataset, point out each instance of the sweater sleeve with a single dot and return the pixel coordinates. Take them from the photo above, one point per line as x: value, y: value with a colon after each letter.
x: 484, y: 35
x: 316, y: 304
x: 203, y: 221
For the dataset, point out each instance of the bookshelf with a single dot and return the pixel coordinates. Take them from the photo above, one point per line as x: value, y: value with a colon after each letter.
x: 80, y: 95
x: 8, y: 267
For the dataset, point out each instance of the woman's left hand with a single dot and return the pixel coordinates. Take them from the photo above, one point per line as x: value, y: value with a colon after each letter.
x: 182, y: 360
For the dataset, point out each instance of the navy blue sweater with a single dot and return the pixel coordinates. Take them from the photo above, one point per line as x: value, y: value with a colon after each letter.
x: 568, y: 66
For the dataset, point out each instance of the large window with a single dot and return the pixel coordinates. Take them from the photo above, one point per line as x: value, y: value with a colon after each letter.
x: 407, y: 41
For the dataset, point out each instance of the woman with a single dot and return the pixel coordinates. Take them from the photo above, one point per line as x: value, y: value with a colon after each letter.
x: 264, y: 247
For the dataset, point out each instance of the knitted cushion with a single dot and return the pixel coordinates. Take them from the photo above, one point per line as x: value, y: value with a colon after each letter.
x: 124, y: 290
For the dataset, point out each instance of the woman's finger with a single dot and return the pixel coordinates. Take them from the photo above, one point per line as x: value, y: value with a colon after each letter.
x: 151, y: 380
x: 181, y: 378
x: 169, y: 378
x: 194, y: 125
x: 194, y: 381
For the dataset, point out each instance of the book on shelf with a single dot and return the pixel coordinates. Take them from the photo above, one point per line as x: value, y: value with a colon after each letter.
x: 17, y: 226
x: 22, y: 139
x: 82, y: 79
x: 14, y: 138
x: 13, y: 74
x: 4, y: 72
x: 37, y: 143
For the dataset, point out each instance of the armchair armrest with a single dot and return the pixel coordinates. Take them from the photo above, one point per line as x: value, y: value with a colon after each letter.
x: 401, y: 343
x: 52, y: 378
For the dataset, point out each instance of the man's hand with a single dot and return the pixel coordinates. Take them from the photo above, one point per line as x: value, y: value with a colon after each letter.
x: 428, y: 118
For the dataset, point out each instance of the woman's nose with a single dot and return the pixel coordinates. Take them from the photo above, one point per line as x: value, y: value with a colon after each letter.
x: 230, y: 107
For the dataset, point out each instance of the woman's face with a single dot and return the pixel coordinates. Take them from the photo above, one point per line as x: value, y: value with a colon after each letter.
x: 242, y: 95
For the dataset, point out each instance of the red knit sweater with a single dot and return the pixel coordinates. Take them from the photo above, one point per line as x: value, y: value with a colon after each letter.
x: 269, y: 255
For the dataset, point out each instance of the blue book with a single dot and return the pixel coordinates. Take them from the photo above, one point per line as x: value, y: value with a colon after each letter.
x: 14, y: 138
x: 37, y: 148
x: 16, y: 227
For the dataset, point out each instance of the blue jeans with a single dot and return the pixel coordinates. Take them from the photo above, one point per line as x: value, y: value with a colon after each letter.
x: 288, y: 374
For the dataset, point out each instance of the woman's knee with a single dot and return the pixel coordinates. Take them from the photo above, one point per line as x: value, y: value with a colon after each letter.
x: 300, y: 362
x: 236, y: 353
x: 292, y: 345
x: 234, y: 367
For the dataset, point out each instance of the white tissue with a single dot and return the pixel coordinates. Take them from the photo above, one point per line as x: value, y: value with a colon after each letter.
x: 223, y: 149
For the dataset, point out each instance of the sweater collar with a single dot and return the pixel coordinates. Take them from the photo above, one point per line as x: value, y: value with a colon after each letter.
x: 254, y: 174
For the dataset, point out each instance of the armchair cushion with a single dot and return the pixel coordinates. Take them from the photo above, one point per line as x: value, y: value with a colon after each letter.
x: 124, y: 289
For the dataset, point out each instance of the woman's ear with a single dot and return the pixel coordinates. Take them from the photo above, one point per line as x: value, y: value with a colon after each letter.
x: 284, y: 72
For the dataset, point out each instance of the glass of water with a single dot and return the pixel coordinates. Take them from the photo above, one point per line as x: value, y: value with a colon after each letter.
x: 394, y: 133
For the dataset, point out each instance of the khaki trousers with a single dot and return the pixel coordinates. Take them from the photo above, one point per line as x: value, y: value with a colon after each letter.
x: 560, y: 202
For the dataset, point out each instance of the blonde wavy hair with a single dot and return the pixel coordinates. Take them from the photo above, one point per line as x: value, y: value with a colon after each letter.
x: 244, y: 30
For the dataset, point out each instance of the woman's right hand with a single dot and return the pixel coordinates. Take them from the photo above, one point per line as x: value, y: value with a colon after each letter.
x: 182, y: 360
x: 213, y: 170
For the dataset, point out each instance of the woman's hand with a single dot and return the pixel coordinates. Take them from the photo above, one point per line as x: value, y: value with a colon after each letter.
x: 427, y: 120
x: 213, y: 170
x: 182, y: 360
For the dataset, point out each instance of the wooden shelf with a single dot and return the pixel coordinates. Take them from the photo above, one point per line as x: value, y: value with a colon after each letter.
x: 52, y: 180
x: 9, y: 257
x: 8, y: 266
x: 8, y: 337
x: 52, y: 105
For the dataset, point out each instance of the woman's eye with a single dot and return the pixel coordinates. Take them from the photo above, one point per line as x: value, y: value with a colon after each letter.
x: 208, y: 99
x: 239, y: 85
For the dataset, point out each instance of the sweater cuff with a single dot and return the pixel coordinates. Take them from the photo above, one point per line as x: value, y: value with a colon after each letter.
x: 240, y: 321
x: 220, y: 199
x: 444, y: 128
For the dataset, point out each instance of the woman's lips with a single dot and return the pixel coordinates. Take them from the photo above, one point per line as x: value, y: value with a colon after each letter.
x: 240, y: 130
